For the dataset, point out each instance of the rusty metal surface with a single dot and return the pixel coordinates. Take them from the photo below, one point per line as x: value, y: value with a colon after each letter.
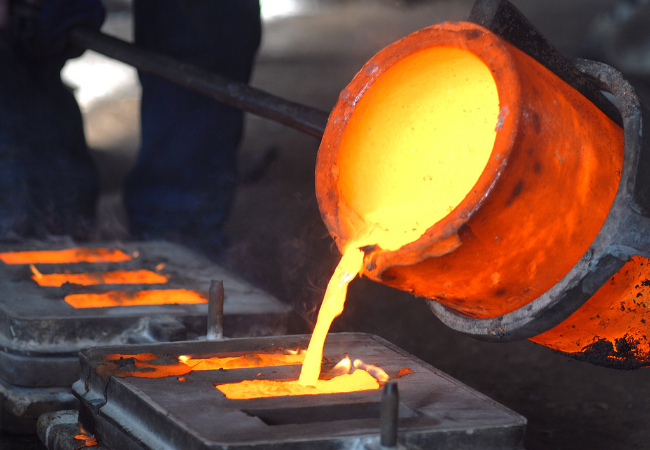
x: 435, y: 410
x: 626, y: 232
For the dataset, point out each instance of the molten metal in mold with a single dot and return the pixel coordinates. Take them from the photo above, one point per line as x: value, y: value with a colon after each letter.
x: 66, y: 256
x: 240, y: 362
x: 359, y: 380
x: 135, y: 298
x: 431, y: 403
x: 149, y: 365
x: 94, y: 278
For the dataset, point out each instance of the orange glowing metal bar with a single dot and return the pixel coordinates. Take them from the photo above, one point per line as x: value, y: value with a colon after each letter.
x: 134, y: 298
x: 359, y: 380
x: 240, y: 362
x: 89, y: 279
x: 67, y: 256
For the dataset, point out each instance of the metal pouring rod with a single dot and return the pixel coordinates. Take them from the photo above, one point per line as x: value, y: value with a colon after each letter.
x: 233, y: 93
x: 388, y: 416
x: 215, y: 311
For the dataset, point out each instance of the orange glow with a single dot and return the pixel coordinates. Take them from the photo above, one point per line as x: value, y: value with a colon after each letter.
x: 244, y: 361
x: 88, y: 441
x: 89, y: 279
x: 133, y: 298
x: 357, y: 381
x: 149, y: 365
x: 613, y: 324
x: 67, y: 256
x: 403, y: 372
x: 468, y: 164
x: 421, y: 137
x: 37, y: 275
x: 332, y: 307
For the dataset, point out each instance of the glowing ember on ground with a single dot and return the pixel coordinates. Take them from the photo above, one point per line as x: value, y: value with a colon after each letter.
x: 88, y: 441
x: 133, y: 298
x: 93, y: 278
x: 357, y: 381
x: 403, y: 372
x: 67, y: 256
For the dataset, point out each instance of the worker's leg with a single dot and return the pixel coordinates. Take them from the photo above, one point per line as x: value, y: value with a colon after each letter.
x: 48, y: 182
x: 185, y: 178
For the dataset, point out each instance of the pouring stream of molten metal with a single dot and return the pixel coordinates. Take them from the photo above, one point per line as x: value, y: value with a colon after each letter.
x: 421, y: 140
x: 350, y: 265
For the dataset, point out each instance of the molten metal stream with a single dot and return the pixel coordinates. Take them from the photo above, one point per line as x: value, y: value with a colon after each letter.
x: 67, y: 256
x: 332, y: 307
x: 411, y: 139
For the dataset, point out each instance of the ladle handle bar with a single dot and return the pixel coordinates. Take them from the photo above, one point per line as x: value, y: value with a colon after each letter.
x: 233, y: 93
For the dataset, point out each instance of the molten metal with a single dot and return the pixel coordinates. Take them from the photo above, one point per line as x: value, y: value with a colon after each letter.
x: 67, y: 256
x: 357, y: 381
x: 474, y: 162
x: 240, y: 362
x: 93, y: 278
x: 149, y: 365
x: 133, y: 298
x: 332, y: 307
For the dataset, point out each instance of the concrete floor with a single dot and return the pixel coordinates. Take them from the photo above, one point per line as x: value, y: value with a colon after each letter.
x: 280, y: 243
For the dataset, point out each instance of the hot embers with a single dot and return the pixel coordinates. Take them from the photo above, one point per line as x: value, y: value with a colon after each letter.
x: 188, y: 413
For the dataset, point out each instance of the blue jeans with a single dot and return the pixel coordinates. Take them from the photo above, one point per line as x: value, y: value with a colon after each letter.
x: 185, y: 178
x: 48, y: 183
